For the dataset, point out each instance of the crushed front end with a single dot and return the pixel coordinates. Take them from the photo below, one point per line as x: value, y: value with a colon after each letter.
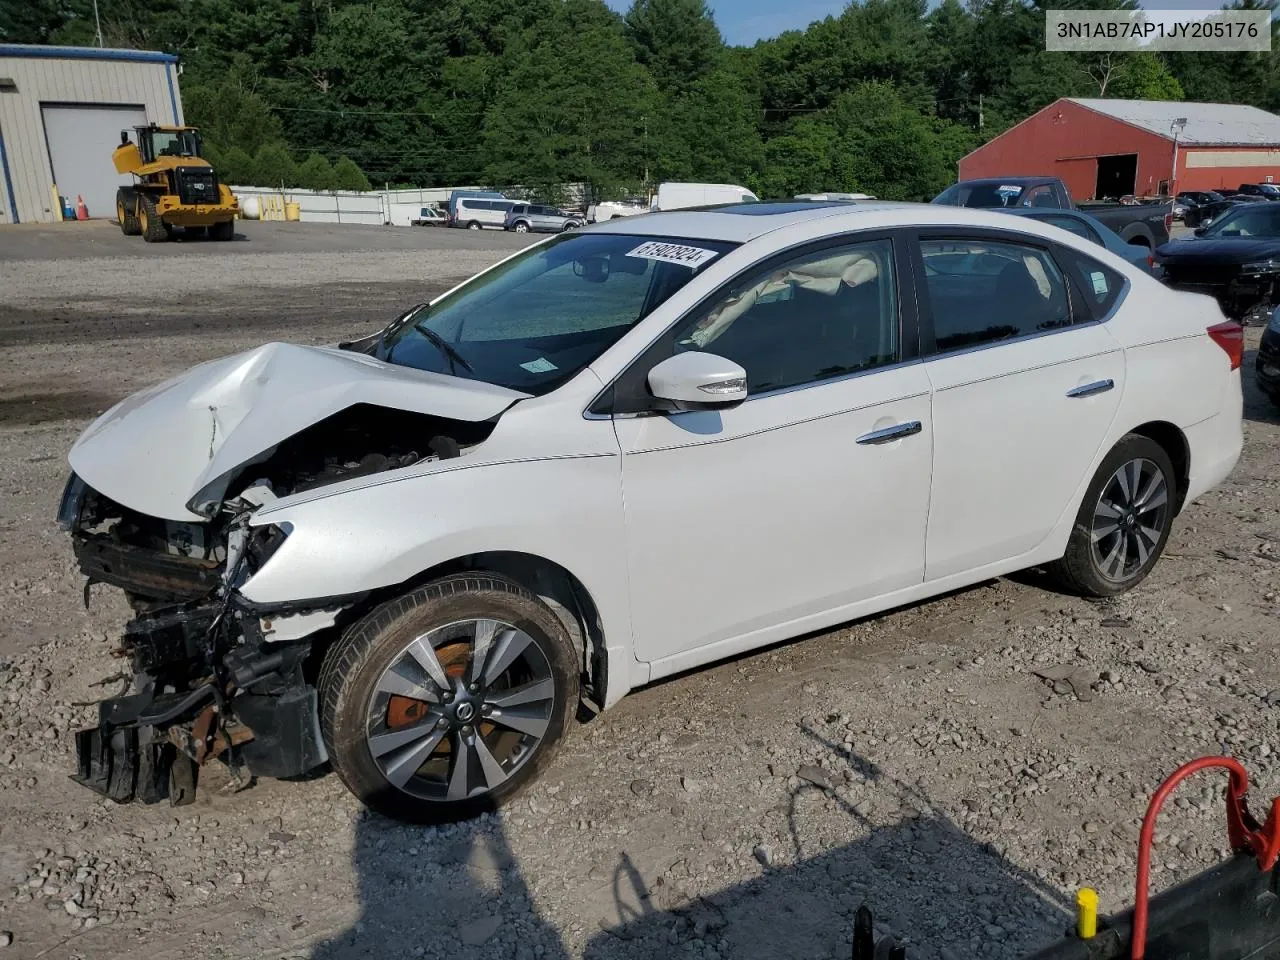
x: 212, y: 678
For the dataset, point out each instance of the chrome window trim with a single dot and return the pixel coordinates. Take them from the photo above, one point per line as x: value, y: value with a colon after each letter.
x: 904, y: 285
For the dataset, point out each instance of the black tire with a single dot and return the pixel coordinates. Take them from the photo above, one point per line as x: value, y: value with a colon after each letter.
x: 223, y: 231
x: 126, y: 212
x: 356, y: 665
x: 150, y: 225
x: 1083, y: 568
x: 474, y: 225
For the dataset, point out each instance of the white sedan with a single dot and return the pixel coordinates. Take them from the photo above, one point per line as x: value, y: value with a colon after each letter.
x: 622, y: 453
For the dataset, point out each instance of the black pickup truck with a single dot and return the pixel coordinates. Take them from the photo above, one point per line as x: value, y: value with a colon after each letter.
x: 1144, y: 224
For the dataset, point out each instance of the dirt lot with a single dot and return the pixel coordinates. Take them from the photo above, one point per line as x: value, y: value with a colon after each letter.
x: 915, y: 760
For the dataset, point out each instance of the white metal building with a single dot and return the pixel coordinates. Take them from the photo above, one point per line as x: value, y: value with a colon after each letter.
x: 61, y: 113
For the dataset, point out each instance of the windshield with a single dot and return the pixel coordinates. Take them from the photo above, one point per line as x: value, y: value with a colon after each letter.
x: 180, y: 143
x: 1255, y: 220
x: 534, y: 322
x: 980, y: 195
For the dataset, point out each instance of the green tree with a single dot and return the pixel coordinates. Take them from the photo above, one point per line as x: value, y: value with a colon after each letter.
x: 274, y: 166
x: 348, y: 176
x: 315, y: 173
x: 235, y: 166
x: 229, y: 114
x: 676, y: 40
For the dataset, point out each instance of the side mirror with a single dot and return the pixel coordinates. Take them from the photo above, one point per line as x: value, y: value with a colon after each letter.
x: 124, y: 137
x: 698, y: 381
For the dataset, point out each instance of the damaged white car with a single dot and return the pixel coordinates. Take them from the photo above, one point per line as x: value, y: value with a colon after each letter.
x: 619, y: 454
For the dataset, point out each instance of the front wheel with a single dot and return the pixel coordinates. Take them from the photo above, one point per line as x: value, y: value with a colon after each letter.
x: 521, y: 227
x: 1124, y: 521
x: 473, y: 225
x: 442, y: 704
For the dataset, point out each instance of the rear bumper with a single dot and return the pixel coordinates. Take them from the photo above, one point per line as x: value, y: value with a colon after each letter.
x: 1215, y: 444
x: 197, y: 214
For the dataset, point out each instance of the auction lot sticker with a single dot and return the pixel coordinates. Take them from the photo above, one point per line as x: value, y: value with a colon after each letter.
x: 673, y: 253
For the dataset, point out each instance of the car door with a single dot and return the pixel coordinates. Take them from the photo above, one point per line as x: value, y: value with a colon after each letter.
x: 1025, y: 382
x: 748, y: 523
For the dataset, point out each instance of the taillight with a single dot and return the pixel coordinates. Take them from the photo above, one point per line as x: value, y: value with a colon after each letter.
x: 1168, y: 220
x: 1230, y: 337
x: 1151, y: 261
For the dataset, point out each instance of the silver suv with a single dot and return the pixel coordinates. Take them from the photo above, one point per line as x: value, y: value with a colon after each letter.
x: 532, y: 218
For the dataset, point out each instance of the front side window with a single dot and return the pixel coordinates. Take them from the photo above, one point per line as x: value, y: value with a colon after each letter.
x: 982, y: 291
x: 534, y: 322
x: 821, y: 315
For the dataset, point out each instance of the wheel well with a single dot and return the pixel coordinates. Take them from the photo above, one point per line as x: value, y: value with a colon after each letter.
x: 1174, y: 443
x: 1140, y: 240
x: 553, y: 584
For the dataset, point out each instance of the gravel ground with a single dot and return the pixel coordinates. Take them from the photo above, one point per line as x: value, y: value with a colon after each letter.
x: 917, y: 760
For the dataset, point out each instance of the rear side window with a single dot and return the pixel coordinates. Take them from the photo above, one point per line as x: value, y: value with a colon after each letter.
x: 1097, y: 285
x: 983, y: 291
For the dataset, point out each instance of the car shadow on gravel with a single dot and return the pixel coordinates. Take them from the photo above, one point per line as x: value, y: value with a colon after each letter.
x: 452, y: 892
x: 930, y: 886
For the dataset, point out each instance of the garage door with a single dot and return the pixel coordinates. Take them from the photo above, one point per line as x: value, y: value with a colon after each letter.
x: 81, y: 139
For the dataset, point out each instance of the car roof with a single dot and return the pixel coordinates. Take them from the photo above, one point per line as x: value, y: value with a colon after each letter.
x: 743, y: 222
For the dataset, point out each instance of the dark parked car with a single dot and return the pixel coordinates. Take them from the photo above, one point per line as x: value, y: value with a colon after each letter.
x: 1236, y: 259
x: 1092, y: 229
x: 1268, y: 365
x: 1267, y: 191
x: 1202, y: 206
x: 1146, y: 224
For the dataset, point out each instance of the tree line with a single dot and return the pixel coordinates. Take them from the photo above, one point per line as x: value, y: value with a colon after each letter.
x: 883, y: 98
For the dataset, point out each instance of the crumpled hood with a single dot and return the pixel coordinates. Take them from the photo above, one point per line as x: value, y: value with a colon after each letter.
x: 154, y: 451
x: 1219, y: 250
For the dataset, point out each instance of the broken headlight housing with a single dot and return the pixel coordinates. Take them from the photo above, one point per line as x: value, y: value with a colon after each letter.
x: 263, y: 542
x: 1260, y: 267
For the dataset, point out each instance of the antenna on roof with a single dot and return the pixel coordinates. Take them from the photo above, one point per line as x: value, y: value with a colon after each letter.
x: 97, y: 24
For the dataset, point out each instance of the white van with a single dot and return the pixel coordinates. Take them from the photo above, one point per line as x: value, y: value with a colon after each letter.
x: 677, y: 196
x: 480, y: 213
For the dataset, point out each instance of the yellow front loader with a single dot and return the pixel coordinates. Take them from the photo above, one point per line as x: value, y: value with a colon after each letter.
x: 175, y: 186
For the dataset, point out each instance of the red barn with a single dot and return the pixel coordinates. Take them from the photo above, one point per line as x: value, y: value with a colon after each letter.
x: 1110, y: 148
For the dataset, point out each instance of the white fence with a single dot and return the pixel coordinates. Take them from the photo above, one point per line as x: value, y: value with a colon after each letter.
x: 377, y: 207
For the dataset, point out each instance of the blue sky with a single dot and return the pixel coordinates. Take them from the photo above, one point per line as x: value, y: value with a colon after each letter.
x: 746, y: 21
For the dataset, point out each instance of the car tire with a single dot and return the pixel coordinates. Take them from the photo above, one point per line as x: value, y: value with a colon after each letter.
x: 394, y: 733
x: 126, y: 212
x: 1123, y: 522
x: 150, y: 225
x: 520, y: 227
x: 569, y: 225
x: 473, y: 225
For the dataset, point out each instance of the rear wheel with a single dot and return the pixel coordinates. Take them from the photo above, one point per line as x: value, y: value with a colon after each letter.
x: 442, y: 704
x: 1124, y: 521
x: 150, y: 225
x: 222, y: 231
x: 125, y: 212
x: 521, y: 227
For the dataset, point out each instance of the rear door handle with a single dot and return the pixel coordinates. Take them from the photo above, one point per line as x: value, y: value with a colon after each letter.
x: 889, y: 434
x: 1089, y: 389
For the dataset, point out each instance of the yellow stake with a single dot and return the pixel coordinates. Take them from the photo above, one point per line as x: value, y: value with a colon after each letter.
x: 1087, y: 913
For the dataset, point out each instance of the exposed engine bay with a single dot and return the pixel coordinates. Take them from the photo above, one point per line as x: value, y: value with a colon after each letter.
x: 213, y: 677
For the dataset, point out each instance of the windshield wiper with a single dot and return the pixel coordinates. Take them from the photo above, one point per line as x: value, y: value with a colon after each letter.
x: 439, y: 342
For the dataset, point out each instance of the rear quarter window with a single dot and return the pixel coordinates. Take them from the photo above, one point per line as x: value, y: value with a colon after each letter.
x: 1096, y: 285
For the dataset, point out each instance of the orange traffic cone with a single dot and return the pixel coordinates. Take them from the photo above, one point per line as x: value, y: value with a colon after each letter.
x: 82, y: 212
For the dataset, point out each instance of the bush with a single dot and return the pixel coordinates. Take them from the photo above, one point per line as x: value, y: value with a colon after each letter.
x: 274, y: 166
x: 315, y: 173
x: 347, y: 176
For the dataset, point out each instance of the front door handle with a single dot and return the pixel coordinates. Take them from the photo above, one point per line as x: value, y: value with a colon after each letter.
x: 890, y: 434
x: 1089, y: 389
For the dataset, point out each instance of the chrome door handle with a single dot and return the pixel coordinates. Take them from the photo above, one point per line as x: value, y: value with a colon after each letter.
x: 889, y: 434
x: 1089, y: 389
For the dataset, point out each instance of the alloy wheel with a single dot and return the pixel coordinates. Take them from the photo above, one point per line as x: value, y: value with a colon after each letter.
x: 460, y: 710
x: 522, y: 228
x: 1129, y: 519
